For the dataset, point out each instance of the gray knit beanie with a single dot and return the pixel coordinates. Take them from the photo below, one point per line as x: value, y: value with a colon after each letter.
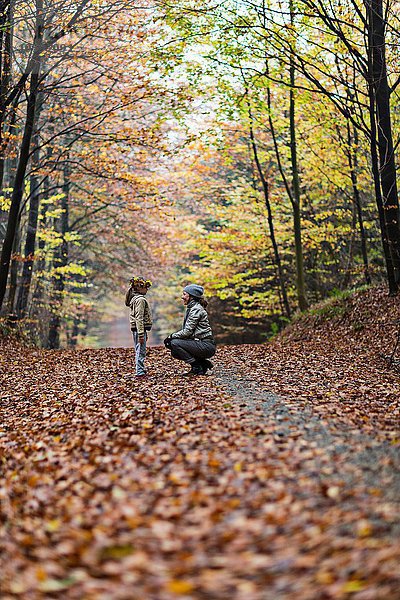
x: 194, y: 290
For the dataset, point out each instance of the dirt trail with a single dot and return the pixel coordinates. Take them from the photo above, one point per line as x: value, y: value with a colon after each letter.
x: 369, y: 461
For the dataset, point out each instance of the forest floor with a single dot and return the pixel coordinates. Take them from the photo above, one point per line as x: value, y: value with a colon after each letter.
x: 275, y: 478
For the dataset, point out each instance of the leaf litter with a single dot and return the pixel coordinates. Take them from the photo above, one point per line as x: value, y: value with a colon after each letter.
x: 275, y: 478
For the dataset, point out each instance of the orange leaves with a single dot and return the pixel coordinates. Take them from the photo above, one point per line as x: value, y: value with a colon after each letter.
x: 179, y: 587
x: 260, y: 481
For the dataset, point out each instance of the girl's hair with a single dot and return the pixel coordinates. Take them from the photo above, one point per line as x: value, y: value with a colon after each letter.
x: 202, y: 301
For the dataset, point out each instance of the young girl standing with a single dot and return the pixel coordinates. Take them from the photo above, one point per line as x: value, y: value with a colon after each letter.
x: 140, y: 319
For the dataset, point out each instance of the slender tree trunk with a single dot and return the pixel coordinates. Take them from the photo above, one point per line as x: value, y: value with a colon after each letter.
x: 6, y: 40
x: 350, y: 259
x: 73, y: 336
x: 290, y: 192
x: 30, y: 242
x: 14, y: 270
x: 18, y: 187
x: 271, y: 227
x: 60, y: 260
x: 353, y: 164
x: 381, y: 114
x: 378, y: 196
x: 295, y: 197
x: 8, y: 177
x: 36, y: 308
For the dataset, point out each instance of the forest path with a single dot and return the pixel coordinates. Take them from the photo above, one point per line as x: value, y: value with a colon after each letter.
x: 370, y: 460
x: 240, y: 485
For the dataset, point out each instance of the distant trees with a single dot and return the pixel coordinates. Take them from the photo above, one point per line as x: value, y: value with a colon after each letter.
x: 79, y: 127
x: 318, y: 82
x: 346, y: 61
x: 269, y: 129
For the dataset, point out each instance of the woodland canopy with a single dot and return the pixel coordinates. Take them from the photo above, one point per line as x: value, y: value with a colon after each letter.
x: 249, y: 146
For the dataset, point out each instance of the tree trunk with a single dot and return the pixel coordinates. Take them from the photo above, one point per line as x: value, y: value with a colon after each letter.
x: 14, y: 270
x: 380, y: 114
x: 265, y: 187
x: 18, y: 187
x: 353, y: 164
x: 41, y: 263
x: 344, y: 284
x: 60, y: 260
x: 30, y: 242
x: 378, y: 195
x: 73, y: 336
x: 6, y: 39
x: 295, y: 197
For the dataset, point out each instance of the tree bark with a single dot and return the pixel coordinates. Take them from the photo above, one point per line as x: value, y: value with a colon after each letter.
x: 60, y: 260
x: 41, y: 263
x: 30, y: 242
x: 265, y: 187
x: 18, y: 187
x: 382, y: 126
x: 378, y: 197
x: 14, y: 270
x: 353, y: 164
x: 295, y: 197
x: 6, y: 43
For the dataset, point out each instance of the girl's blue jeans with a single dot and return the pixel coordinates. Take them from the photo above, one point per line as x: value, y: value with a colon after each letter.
x: 140, y: 350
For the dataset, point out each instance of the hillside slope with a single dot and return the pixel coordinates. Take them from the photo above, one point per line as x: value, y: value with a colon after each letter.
x: 332, y: 358
x: 366, y: 320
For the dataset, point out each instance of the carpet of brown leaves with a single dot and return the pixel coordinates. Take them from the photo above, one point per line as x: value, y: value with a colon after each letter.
x: 276, y: 478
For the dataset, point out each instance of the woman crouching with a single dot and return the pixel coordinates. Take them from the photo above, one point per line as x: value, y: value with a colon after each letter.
x: 194, y: 343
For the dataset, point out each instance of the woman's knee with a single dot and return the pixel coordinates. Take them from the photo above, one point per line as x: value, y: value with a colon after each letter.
x: 174, y: 347
x: 211, y: 351
x: 174, y: 344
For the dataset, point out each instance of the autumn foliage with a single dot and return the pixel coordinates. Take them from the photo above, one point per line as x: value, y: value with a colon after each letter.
x: 277, y: 477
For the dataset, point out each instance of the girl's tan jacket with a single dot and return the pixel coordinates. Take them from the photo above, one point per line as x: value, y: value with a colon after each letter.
x: 140, y: 314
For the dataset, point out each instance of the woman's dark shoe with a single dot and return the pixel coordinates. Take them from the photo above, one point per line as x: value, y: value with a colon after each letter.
x: 206, y: 365
x: 197, y: 369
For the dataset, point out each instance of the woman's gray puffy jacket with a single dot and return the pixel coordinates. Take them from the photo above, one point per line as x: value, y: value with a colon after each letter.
x: 196, y: 325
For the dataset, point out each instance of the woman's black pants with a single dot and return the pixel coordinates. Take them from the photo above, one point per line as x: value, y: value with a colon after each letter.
x: 191, y: 350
